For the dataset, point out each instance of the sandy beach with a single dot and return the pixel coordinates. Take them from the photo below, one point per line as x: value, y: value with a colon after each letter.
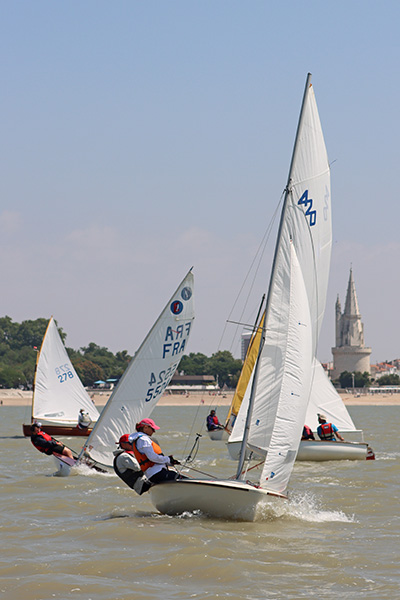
x: 23, y: 398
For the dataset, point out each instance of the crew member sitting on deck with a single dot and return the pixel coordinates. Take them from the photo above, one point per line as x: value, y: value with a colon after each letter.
x: 307, y: 433
x: 327, y: 431
x: 212, y: 422
x: 83, y: 419
x: 46, y: 444
x: 152, y: 461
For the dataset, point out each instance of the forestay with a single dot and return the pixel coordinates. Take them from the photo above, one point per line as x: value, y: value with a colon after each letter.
x: 146, y: 377
x: 58, y: 391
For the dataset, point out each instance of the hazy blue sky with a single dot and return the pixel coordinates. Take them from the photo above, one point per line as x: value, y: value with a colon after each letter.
x: 142, y: 138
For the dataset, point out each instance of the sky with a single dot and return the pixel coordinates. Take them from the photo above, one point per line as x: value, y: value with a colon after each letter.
x: 140, y: 139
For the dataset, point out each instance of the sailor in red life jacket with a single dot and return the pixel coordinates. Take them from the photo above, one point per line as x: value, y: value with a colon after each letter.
x: 149, y: 454
x: 212, y: 422
x: 307, y: 433
x: 327, y: 431
x: 46, y: 444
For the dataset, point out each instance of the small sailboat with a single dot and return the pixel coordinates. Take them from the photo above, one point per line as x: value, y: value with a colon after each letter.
x: 282, y: 378
x: 58, y: 393
x: 326, y: 400
x: 145, y: 378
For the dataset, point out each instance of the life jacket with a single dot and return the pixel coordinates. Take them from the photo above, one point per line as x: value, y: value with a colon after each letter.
x: 326, y: 432
x: 142, y: 459
x: 46, y: 437
x: 307, y: 433
x: 132, y: 477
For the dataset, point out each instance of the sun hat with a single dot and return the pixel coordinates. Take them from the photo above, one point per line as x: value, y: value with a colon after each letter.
x: 320, y: 416
x: 149, y: 422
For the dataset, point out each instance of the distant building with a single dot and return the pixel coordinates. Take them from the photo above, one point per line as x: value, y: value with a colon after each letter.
x: 350, y: 353
x: 192, y: 382
x: 246, y: 339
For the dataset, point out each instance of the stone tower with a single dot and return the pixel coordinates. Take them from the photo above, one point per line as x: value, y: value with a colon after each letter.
x: 350, y: 353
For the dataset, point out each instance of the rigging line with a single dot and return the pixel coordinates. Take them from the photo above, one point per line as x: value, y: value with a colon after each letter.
x: 198, y: 471
x: 192, y: 427
x: 260, y: 252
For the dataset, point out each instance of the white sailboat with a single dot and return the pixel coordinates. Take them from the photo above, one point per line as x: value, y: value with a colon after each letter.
x: 326, y: 400
x: 58, y: 393
x: 295, y: 306
x: 145, y: 378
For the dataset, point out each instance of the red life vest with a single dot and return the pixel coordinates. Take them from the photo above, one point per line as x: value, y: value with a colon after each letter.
x: 326, y: 432
x: 46, y: 437
x: 142, y: 459
x: 307, y: 433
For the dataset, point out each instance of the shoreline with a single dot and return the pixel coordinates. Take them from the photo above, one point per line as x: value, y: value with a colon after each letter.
x: 207, y: 399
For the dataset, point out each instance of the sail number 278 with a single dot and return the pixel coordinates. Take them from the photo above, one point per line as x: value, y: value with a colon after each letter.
x: 158, y: 383
x: 63, y: 373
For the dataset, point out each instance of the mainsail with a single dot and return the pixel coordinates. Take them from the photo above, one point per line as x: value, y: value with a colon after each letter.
x: 58, y: 392
x: 146, y: 377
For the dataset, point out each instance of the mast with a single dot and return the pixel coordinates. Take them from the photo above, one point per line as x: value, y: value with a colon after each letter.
x: 272, y: 280
x: 36, y: 368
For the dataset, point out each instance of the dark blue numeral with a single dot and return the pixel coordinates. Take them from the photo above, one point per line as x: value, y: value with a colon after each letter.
x: 312, y: 214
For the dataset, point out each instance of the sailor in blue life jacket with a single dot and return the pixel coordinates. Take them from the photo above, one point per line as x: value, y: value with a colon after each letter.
x: 327, y: 431
x: 307, y: 433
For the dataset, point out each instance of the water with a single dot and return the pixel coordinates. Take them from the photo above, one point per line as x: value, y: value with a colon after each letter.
x: 89, y: 537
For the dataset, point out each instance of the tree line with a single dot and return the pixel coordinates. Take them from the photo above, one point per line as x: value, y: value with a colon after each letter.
x: 20, y: 343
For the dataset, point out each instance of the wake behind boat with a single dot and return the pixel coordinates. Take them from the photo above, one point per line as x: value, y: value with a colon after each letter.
x: 58, y: 393
x: 282, y: 378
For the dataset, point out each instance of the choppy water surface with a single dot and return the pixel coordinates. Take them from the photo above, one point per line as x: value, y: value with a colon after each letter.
x: 90, y: 537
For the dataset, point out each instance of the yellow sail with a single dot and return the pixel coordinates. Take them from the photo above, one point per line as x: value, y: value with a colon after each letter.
x: 247, y: 369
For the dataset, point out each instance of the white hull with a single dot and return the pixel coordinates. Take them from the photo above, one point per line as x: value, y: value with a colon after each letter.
x: 219, y: 499
x: 317, y: 451
x: 218, y: 435
x: 64, y: 465
x: 310, y: 450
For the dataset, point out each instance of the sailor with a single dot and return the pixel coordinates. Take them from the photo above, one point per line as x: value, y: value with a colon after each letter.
x: 212, y: 422
x: 307, y: 433
x: 46, y: 444
x: 148, y: 453
x: 83, y: 419
x: 327, y: 431
x: 127, y: 467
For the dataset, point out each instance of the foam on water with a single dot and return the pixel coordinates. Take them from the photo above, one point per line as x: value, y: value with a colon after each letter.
x: 304, y: 507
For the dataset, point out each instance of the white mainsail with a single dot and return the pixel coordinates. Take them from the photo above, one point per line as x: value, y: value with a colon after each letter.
x: 146, y: 377
x: 58, y: 392
x: 305, y: 225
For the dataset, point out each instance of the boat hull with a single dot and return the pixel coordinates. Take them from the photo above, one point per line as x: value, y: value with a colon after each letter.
x: 310, y: 450
x: 64, y: 465
x: 318, y: 451
x: 218, y: 435
x: 233, y: 500
x: 59, y: 430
